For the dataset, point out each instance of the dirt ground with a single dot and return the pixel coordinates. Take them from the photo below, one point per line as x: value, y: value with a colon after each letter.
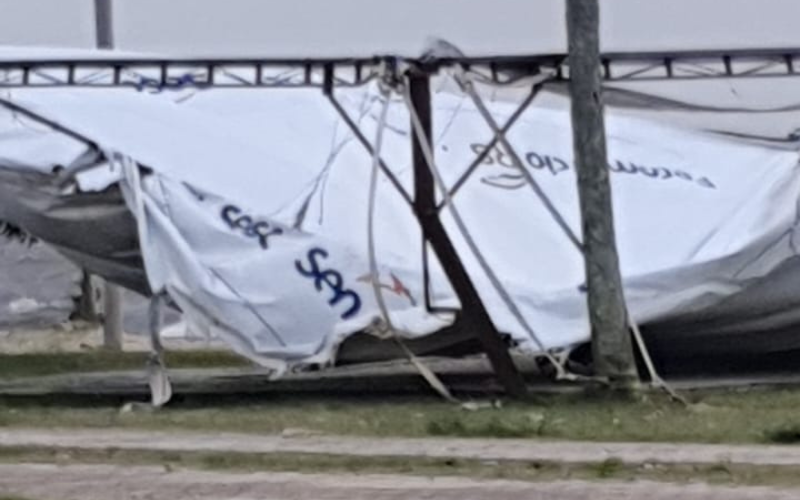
x: 77, y: 337
x: 66, y: 479
x: 101, y: 482
x: 117, y: 482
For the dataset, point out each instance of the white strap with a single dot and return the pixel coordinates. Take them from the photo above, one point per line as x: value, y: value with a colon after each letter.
x: 387, y: 329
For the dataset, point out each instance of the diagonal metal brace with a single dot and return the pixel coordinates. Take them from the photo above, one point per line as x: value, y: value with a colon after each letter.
x: 492, y: 143
x: 467, y: 86
x: 365, y: 142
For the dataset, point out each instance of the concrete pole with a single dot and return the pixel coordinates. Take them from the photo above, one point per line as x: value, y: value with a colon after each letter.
x: 612, y: 351
x: 112, y: 317
x: 112, y: 294
x: 104, y: 24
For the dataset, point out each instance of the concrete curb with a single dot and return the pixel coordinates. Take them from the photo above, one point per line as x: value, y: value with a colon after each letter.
x: 474, y: 449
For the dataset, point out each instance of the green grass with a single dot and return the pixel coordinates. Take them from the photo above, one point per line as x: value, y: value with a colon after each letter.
x: 725, y: 417
x: 30, y: 365
x: 499, y: 424
x: 755, y: 416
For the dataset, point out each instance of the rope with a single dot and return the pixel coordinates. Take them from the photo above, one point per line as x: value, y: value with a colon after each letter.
x: 158, y: 377
x: 373, y: 188
x: 655, y: 378
x: 387, y: 329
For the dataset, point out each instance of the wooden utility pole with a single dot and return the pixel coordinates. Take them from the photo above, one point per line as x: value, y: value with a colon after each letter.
x: 612, y: 351
x: 112, y: 294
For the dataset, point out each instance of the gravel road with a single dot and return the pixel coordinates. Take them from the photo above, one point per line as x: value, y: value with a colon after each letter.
x: 100, y: 482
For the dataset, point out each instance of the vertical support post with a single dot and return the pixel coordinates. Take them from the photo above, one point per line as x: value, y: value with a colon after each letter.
x: 87, y: 305
x: 611, y: 343
x: 112, y: 317
x: 473, y: 311
x: 104, y: 24
x: 112, y: 310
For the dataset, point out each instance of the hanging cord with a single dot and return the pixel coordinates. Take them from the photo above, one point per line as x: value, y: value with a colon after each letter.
x: 384, y: 328
x: 373, y: 188
x: 158, y: 377
x: 467, y: 85
x: 561, y: 373
x: 160, y: 385
x: 655, y: 379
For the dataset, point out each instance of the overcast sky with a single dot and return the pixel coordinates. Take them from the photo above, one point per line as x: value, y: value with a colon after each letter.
x: 289, y: 27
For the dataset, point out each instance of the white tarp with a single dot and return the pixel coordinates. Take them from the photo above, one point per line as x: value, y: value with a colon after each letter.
x: 255, y: 220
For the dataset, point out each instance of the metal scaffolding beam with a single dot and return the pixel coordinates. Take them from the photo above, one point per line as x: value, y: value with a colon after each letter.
x: 163, y: 74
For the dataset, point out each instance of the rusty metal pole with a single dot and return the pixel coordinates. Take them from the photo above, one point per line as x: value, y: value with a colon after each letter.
x: 612, y: 351
x: 473, y: 312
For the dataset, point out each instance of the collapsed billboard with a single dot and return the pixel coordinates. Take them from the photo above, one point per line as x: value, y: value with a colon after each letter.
x: 250, y: 210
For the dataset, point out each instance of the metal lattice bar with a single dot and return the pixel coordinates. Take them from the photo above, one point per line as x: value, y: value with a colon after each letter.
x: 299, y: 73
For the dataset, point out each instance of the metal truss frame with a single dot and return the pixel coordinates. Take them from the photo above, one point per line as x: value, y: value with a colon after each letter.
x: 162, y: 73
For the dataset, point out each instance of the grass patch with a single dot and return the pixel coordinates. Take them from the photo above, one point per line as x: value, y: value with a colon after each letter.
x: 722, y: 417
x: 40, y: 364
x: 755, y: 416
x: 419, y: 466
x: 493, y: 425
x: 609, y: 468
